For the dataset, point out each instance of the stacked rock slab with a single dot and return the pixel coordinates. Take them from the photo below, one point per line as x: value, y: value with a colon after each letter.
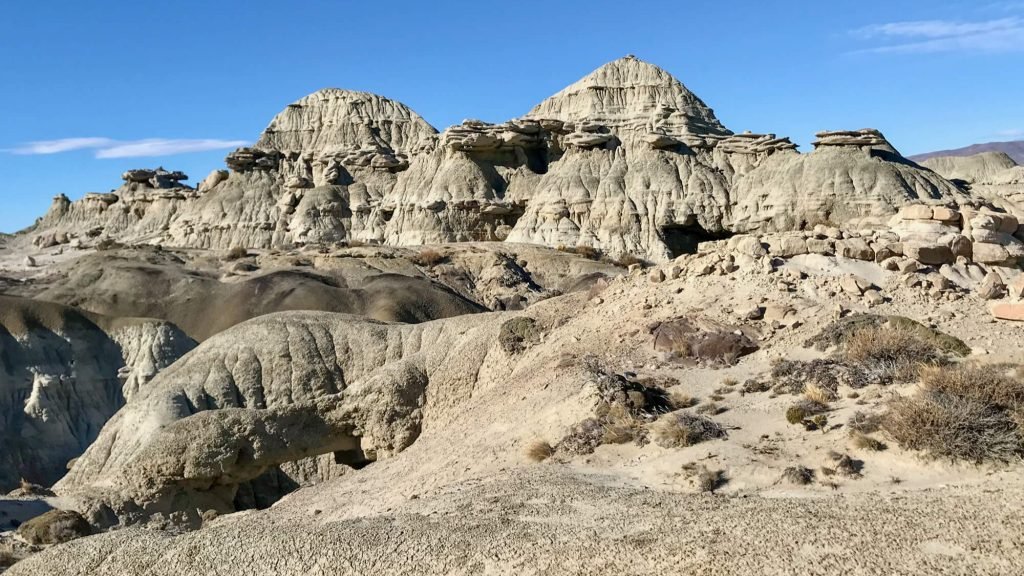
x: 626, y: 160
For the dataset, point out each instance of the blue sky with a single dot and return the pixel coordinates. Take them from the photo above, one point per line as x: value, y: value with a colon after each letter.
x: 113, y: 85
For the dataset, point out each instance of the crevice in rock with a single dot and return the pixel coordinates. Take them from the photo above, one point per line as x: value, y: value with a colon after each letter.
x: 685, y: 239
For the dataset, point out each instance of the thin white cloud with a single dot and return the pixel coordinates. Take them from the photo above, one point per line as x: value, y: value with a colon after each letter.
x: 62, y: 145
x: 110, y: 148
x: 1013, y: 133
x: 931, y: 36
x: 164, y: 147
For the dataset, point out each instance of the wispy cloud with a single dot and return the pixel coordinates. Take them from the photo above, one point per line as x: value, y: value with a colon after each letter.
x: 110, y: 148
x: 930, y: 36
x: 1012, y: 133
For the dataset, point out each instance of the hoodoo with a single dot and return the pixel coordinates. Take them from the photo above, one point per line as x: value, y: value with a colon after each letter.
x: 626, y: 160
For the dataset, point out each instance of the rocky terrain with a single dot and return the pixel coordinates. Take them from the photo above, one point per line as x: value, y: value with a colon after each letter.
x: 608, y: 337
x: 627, y: 161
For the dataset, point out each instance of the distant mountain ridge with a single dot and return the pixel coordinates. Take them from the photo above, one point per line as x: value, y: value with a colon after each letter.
x: 1013, y: 149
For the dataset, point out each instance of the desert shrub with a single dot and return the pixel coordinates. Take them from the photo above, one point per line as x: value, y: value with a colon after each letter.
x: 987, y: 384
x: 751, y: 386
x: 680, y: 400
x: 864, y: 423
x: 539, y: 451
x: 837, y: 333
x: 621, y: 424
x: 680, y: 429
x: 518, y: 334
x: 236, y: 252
x: 963, y: 413
x: 353, y: 243
x: 818, y: 394
x: 804, y: 410
x: 583, y: 438
x: 710, y: 408
x: 709, y: 480
x: 588, y: 252
x: 793, y: 376
x: 54, y: 527
x: 845, y: 465
x: 800, y: 475
x: 429, y: 257
x: 730, y: 382
x: 627, y: 260
x: 862, y: 441
x: 894, y: 354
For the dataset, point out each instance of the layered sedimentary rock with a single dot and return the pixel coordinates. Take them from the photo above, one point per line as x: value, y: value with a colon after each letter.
x: 626, y: 160
x: 331, y: 383
x: 63, y: 374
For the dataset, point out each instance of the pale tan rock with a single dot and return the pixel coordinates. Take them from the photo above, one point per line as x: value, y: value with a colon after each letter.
x: 945, y: 214
x: 929, y: 254
x: 991, y: 287
x: 855, y: 248
x: 821, y: 246
x: 1009, y: 311
x: 987, y: 253
x: 916, y: 212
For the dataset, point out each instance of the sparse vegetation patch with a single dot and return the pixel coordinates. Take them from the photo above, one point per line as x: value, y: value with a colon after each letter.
x: 961, y: 412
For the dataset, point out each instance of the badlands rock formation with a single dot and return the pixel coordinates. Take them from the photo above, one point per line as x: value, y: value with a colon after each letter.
x: 992, y: 176
x: 397, y: 374
x: 63, y: 374
x: 364, y: 385
x: 627, y: 160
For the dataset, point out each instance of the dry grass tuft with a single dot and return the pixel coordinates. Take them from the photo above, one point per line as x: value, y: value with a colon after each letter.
x: 709, y: 480
x: 800, y: 475
x: 991, y: 385
x: 539, y: 451
x: 962, y: 412
x: 236, y: 253
x: 429, y: 257
x: 621, y: 425
x: 588, y: 252
x: 627, y: 260
x: 845, y: 465
x: 804, y: 410
x: 862, y: 441
x: 816, y: 393
x: 711, y: 408
x: 730, y: 382
x: 896, y: 354
x: 864, y: 423
x: 680, y: 429
x: 679, y: 400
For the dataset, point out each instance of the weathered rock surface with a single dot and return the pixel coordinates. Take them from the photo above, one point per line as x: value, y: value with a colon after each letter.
x: 276, y: 389
x: 627, y: 160
x: 63, y: 374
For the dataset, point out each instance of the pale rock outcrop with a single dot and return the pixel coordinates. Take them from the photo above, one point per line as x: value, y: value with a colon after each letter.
x: 63, y: 373
x: 215, y: 420
x: 971, y: 169
x: 626, y: 160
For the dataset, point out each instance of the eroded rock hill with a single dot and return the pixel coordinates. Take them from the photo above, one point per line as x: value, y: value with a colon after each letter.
x: 63, y: 374
x: 627, y: 160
